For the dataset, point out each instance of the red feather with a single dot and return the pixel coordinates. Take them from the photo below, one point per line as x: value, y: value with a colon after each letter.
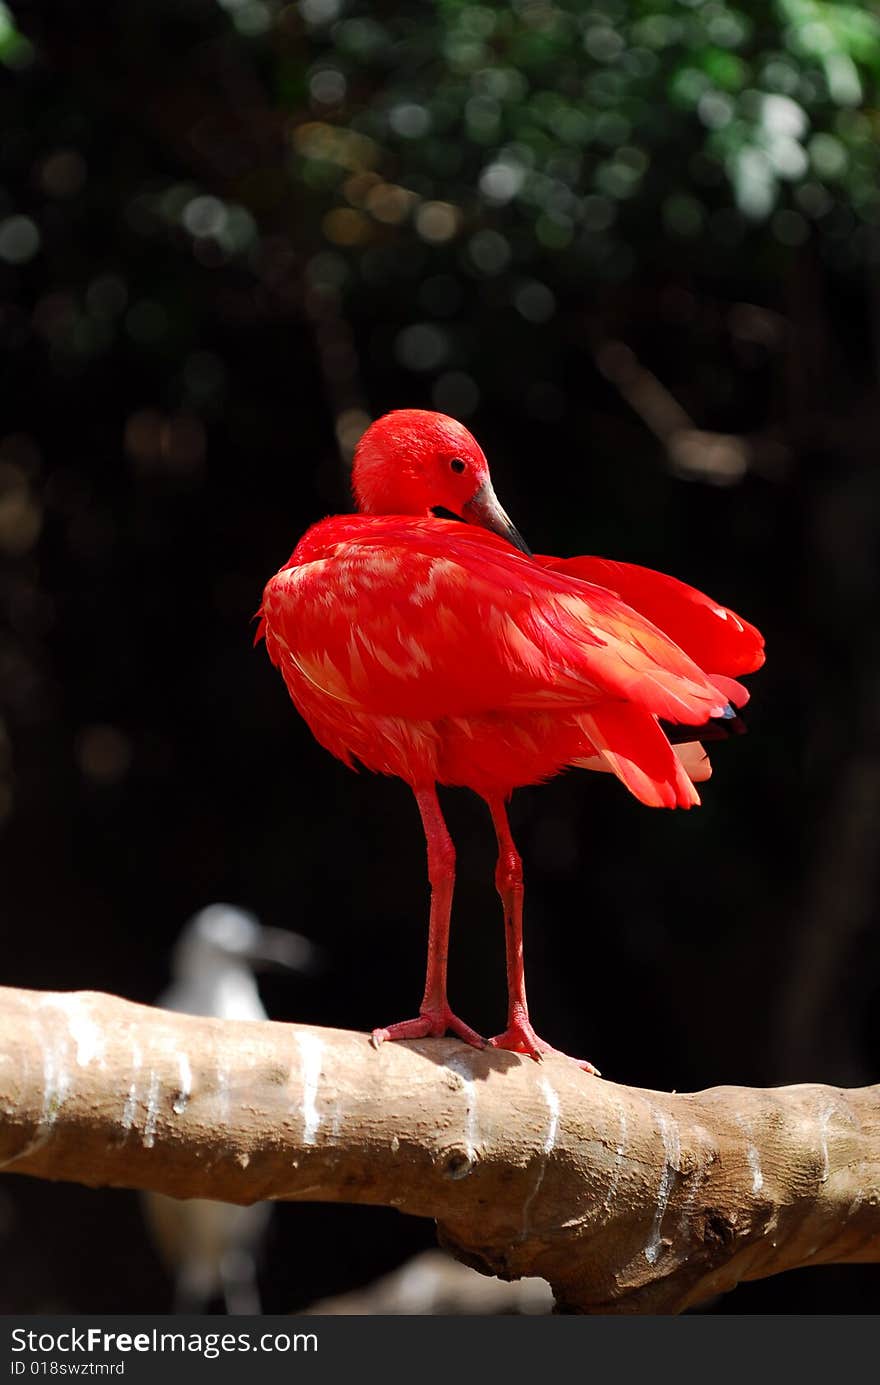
x: 717, y: 638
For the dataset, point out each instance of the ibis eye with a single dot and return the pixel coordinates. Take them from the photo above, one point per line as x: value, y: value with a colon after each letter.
x: 457, y: 465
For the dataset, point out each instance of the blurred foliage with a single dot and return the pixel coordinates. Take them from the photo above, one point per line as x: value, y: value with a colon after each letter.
x: 533, y: 148
x: 589, y: 135
x: 15, y: 49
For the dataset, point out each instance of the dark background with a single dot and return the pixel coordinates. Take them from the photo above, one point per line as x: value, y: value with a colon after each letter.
x: 201, y: 308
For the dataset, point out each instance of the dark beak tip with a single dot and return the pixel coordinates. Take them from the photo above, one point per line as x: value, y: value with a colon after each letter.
x: 485, y: 510
x: 519, y: 542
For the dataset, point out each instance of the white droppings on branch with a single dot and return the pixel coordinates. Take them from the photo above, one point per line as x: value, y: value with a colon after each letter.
x: 152, y: 1120
x: 459, y: 1063
x: 55, y: 1087
x: 85, y: 1033
x: 669, y: 1134
x: 757, y: 1172
x: 551, y: 1096
x: 130, y: 1107
x: 752, y: 1155
x: 180, y: 1101
x: 56, y: 1079
x: 311, y: 1052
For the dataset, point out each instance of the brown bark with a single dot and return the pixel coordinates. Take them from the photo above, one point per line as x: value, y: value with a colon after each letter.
x: 624, y: 1200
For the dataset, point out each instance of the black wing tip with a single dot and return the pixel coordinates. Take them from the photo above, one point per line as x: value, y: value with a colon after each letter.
x: 721, y: 728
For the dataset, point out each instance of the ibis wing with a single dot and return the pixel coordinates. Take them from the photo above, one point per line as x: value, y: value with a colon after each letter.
x: 425, y: 619
x: 718, y: 639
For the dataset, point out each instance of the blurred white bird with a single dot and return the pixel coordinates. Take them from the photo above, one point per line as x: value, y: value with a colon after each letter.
x: 209, y: 1247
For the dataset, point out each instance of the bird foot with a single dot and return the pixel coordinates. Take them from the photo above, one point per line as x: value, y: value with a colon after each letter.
x: 430, y: 1024
x: 521, y: 1038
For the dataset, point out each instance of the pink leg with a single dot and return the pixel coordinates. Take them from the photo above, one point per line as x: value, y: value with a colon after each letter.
x: 519, y: 1036
x: 435, y: 1016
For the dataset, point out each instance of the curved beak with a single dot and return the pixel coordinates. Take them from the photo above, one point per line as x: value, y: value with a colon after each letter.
x: 485, y: 509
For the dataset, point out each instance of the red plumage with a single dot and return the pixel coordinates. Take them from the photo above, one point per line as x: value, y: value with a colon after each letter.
x: 435, y: 650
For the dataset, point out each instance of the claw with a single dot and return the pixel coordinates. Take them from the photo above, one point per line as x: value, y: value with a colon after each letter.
x: 521, y: 1038
x: 429, y: 1025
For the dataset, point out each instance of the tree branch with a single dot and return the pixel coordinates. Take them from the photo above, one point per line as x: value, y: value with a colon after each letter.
x: 719, y: 458
x: 624, y: 1200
